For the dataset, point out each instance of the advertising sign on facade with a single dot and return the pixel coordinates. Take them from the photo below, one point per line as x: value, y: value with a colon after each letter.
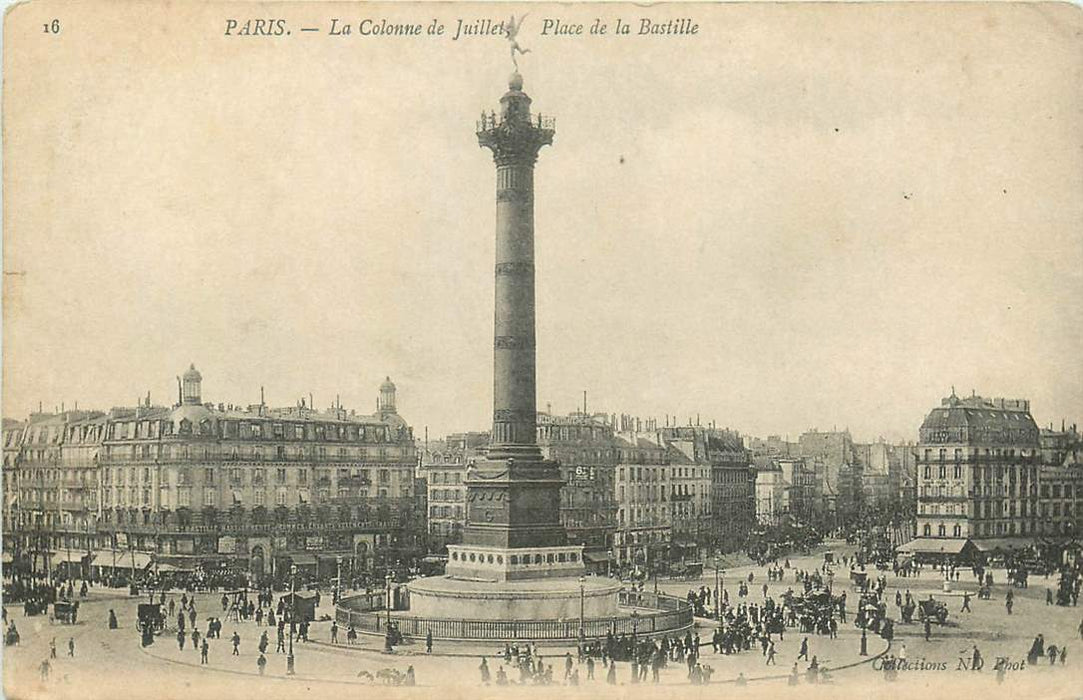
x: 227, y: 545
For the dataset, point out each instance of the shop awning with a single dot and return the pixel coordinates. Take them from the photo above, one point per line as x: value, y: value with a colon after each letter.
x: 596, y: 557
x: 303, y: 559
x: 74, y: 556
x: 104, y: 557
x: 1004, y: 544
x: 928, y: 545
x: 166, y: 566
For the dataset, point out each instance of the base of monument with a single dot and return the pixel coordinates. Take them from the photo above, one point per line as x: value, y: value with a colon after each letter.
x: 482, y: 563
x: 443, y: 597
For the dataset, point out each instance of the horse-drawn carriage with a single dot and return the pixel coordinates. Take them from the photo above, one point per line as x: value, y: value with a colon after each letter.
x: 859, y: 580
x: 813, y: 610
x: 689, y: 571
x: 932, y: 610
x: 150, y: 618
x: 66, y: 611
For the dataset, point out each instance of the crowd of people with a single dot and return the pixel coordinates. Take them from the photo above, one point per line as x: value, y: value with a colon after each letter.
x: 757, y: 620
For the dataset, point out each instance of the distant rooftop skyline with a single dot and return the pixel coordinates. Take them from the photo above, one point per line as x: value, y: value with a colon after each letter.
x: 418, y: 422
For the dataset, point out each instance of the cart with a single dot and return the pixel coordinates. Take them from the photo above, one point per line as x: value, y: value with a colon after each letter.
x: 932, y: 610
x: 65, y: 611
x: 150, y: 619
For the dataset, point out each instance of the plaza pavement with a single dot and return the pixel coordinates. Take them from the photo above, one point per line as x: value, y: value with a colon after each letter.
x: 112, y: 664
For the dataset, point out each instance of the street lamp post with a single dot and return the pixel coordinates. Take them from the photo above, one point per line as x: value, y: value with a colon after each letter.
x: 717, y: 592
x: 582, y: 607
x: 338, y: 581
x: 292, y: 611
x: 387, y: 598
x: 635, y: 627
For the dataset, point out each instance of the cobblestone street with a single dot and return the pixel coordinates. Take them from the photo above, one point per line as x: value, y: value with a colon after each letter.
x: 106, y: 657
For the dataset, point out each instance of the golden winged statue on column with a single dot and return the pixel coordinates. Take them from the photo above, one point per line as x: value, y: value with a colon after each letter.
x: 512, y: 32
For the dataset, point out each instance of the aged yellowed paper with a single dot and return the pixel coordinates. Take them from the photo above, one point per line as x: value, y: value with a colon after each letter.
x: 487, y: 350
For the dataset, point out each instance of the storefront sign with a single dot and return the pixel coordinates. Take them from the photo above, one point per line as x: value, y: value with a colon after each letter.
x: 185, y: 547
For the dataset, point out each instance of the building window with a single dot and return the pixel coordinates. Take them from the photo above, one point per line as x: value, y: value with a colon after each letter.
x: 208, y: 497
x: 927, y: 530
x: 260, y: 498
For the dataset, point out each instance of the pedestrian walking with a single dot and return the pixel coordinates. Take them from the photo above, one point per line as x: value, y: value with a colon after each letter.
x: 590, y: 668
x: 203, y: 652
x: 44, y: 668
x: 770, y: 655
x: 52, y: 648
x: 611, y: 674
x: 803, y: 654
x: 71, y: 646
x: 261, y: 663
x: 281, y: 647
x: 236, y: 643
x: 428, y: 641
x: 334, y: 632
x: 181, y: 637
x: 928, y: 629
x: 484, y: 669
x: 966, y: 602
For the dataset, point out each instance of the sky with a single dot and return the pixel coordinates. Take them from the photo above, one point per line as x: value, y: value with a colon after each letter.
x: 802, y: 216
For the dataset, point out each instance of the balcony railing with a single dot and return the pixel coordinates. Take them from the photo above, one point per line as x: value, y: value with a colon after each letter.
x: 225, y: 527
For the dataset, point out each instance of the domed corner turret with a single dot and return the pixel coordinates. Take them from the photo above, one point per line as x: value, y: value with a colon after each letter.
x: 191, y: 386
x: 386, y: 402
